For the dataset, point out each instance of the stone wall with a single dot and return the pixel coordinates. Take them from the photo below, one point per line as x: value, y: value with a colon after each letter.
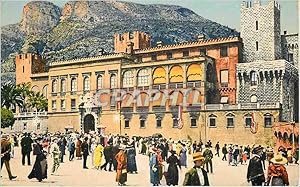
x: 222, y: 133
x: 260, y: 25
x: 275, y: 83
x: 290, y: 45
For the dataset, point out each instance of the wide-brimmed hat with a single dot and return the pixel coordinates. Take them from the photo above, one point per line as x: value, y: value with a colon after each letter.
x: 197, y: 156
x: 279, y: 159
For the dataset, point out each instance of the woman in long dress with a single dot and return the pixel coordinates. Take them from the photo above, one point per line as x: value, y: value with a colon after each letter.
x: 153, y: 164
x: 78, y: 148
x: 183, y: 156
x: 172, y: 174
x: 121, y: 159
x: 131, y: 161
x: 39, y: 170
x: 98, y: 153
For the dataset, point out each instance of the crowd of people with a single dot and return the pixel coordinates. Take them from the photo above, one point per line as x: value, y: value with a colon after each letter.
x: 166, y: 156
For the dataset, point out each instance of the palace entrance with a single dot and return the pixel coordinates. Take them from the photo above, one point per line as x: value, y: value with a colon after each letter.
x: 89, y: 123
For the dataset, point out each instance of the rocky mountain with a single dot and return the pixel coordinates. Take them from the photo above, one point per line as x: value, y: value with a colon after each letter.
x: 82, y: 28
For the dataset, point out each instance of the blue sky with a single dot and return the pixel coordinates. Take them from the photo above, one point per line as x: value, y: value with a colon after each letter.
x: 226, y: 12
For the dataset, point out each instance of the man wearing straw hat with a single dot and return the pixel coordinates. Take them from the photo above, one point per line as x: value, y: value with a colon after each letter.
x: 277, y: 173
x: 196, y: 176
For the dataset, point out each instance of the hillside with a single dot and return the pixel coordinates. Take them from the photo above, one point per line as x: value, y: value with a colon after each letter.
x: 82, y: 28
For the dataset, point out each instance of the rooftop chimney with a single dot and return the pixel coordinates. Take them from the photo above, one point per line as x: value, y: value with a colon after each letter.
x: 284, y: 32
x: 201, y: 37
x: 159, y: 44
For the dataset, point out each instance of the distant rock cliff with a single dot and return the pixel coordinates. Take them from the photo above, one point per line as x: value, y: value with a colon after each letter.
x: 81, y: 28
x: 39, y: 17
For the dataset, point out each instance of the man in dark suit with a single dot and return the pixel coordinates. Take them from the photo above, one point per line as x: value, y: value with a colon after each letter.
x: 26, y: 145
x: 255, y: 172
x: 108, y: 155
x: 5, y: 155
x: 85, y: 152
x: 196, y: 176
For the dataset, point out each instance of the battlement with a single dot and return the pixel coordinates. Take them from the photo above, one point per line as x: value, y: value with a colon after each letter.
x: 139, y: 39
x: 257, y: 3
x: 203, y: 42
x: 88, y: 59
x: 28, y: 64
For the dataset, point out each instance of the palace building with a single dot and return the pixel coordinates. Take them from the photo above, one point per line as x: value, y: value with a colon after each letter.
x: 217, y: 87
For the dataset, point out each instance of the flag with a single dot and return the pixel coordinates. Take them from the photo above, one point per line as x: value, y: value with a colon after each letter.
x: 253, y: 127
x: 180, y: 121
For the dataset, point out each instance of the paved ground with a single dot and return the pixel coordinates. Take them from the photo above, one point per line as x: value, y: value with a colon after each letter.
x: 72, y: 174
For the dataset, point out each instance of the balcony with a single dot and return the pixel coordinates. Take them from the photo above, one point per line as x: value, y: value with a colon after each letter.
x: 242, y: 106
x: 193, y: 84
x: 159, y: 86
x: 30, y: 114
x: 175, y: 85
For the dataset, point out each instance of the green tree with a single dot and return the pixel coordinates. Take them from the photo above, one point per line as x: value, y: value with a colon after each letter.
x: 11, y: 96
x: 7, y: 118
x: 37, y: 101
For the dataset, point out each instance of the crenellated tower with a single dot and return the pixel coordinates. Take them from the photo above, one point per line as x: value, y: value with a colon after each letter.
x: 122, y: 42
x: 28, y: 64
x: 260, y: 30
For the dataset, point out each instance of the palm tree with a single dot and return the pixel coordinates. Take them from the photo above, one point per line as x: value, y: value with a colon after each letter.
x: 24, y: 89
x: 37, y: 101
x: 11, y: 97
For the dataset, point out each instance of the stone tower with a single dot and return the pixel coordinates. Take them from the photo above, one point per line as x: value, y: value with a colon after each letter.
x: 260, y: 30
x: 140, y: 40
x: 26, y: 65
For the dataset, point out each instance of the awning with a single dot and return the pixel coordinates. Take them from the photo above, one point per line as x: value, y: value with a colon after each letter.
x: 224, y: 99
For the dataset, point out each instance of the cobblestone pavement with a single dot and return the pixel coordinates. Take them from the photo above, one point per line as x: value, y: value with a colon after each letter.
x: 71, y: 173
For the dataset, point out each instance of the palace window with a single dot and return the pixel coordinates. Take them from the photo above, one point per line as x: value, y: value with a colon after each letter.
x: 158, y: 123
x: 63, y: 85
x: 54, y: 105
x: 212, y: 120
x: 54, y: 86
x: 73, y: 103
x: 86, y: 84
x: 256, y: 25
x: 113, y: 81
x: 202, y: 51
x: 224, y: 78
x: 169, y: 55
x: 230, y: 120
x: 175, y: 122
x: 224, y: 51
x: 193, y: 122
x: 62, y: 104
x: 126, y: 123
x: 128, y: 78
x: 143, y: 77
x: 38, y: 126
x: 154, y: 57
x: 290, y: 57
x: 253, y: 77
x: 253, y: 99
x: 248, y: 122
x: 256, y: 43
x: 185, y: 53
x: 99, y: 82
x: 23, y: 69
x: 268, y: 120
x: 73, y: 84
x: 142, y: 123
